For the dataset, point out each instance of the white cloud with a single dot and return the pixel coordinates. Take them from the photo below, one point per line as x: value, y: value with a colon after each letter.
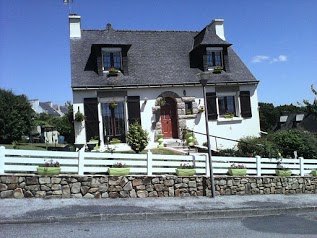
x: 265, y: 58
x: 281, y: 58
x: 259, y: 58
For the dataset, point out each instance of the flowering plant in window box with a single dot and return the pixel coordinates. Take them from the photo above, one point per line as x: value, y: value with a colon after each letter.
x: 228, y: 115
x: 113, y: 72
x: 217, y: 70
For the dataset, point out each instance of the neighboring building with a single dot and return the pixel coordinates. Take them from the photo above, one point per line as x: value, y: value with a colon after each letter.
x: 305, y: 121
x: 48, y: 107
x: 157, y: 84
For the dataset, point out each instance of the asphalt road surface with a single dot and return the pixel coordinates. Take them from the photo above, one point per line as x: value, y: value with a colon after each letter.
x: 299, y: 225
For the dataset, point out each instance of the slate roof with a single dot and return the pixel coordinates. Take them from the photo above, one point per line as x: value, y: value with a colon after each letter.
x: 154, y: 58
x: 49, y: 109
x: 308, y: 123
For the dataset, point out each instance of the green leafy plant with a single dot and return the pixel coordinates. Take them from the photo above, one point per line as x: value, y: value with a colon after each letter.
x: 137, y: 138
x: 79, y: 117
x: 186, y: 166
x: 201, y: 109
x: 119, y: 165
x: 113, y: 72
x: 238, y: 166
x: 52, y: 163
x: 217, y: 70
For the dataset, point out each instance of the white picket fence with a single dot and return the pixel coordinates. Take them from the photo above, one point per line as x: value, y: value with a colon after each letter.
x: 87, y: 163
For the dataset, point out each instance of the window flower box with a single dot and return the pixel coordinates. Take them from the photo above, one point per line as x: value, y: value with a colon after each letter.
x: 119, y: 169
x: 237, y: 170
x: 217, y: 70
x: 113, y: 72
x: 186, y: 170
x: 283, y: 172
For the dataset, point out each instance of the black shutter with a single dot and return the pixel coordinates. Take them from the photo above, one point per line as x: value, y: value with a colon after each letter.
x: 125, y: 68
x: 134, y: 113
x: 245, y: 104
x: 205, y: 62
x: 211, y: 106
x: 91, y: 114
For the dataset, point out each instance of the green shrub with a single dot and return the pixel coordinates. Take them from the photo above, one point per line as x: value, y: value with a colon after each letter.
x: 138, y: 138
x: 252, y: 146
x: 305, y: 143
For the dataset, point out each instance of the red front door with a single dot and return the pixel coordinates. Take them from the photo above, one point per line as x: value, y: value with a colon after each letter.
x: 168, y: 119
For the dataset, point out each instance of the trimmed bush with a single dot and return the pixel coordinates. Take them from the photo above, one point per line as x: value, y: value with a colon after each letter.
x: 138, y: 138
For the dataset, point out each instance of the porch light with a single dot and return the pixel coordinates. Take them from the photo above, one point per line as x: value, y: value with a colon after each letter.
x: 203, y: 79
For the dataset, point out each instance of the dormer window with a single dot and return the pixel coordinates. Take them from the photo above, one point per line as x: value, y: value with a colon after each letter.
x: 111, y: 58
x: 214, y: 57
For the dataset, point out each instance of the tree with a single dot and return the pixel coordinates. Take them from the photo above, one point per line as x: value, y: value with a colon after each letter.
x: 268, y: 116
x: 16, y: 116
x: 312, y: 107
x: 138, y: 138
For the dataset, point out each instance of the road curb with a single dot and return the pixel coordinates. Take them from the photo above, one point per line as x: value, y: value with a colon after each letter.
x: 170, y: 215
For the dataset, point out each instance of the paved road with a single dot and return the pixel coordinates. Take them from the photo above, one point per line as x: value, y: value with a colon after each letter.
x: 296, y: 225
x: 52, y: 210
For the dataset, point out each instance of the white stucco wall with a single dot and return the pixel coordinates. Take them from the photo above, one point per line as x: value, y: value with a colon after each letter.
x: 229, y: 128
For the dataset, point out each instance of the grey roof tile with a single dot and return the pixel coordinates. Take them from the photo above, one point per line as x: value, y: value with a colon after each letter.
x: 155, y: 58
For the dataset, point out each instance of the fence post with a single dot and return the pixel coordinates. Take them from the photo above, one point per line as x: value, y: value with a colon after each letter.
x: 258, y: 165
x: 301, y: 166
x: 207, y: 166
x: 149, y: 163
x: 81, y: 158
x: 2, y: 157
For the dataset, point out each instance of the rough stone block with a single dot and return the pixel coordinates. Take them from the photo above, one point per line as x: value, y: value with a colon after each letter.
x: 44, y: 180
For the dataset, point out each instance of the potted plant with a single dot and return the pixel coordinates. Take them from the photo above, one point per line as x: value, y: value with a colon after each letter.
x: 119, y: 169
x: 160, y: 140
x: 49, y: 168
x: 113, y: 72
x: 79, y: 117
x: 282, y: 171
x: 228, y: 115
x: 201, y: 109
x: 313, y: 172
x: 161, y: 102
x: 237, y: 170
x: 93, y: 143
x: 217, y: 70
x: 186, y: 170
x: 113, y: 104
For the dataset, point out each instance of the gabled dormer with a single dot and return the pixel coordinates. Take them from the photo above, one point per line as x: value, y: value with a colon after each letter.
x: 210, y: 48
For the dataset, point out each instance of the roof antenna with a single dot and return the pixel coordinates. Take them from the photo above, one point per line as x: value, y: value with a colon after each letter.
x: 67, y: 2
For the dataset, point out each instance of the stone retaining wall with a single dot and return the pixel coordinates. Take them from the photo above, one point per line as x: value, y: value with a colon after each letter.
x: 148, y: 186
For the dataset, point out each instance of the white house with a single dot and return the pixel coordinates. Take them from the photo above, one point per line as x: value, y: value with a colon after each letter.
x: 120, y: 76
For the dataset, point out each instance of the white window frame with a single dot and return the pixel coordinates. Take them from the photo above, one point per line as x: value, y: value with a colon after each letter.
x: 111, y: 50
x: 215, y: 49
x: 236, y: 102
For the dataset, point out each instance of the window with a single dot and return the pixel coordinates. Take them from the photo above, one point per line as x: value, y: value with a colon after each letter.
x: 188, y: 108
x: 214, y: 57
x: 228, y: 104
x: 111, y: 58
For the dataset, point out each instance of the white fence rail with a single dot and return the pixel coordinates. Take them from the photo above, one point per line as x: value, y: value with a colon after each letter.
x: 84, y: 163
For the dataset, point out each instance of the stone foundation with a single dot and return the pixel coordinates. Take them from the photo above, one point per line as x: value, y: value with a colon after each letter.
x: 148, y: 186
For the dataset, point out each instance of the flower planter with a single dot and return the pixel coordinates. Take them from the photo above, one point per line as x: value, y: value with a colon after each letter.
x: 228, y: 116
x: 48, y: 170
x: 185, y: 172
x: 280, y: 172
x: 237, y: 172
x: 314, y: 172
x: 119, y: 171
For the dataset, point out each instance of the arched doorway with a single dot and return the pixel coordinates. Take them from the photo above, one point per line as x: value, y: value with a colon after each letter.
x: 169, y: 118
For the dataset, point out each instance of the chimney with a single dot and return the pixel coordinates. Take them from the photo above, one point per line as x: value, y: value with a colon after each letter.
x: 217, y: 26
x: 74, y: 26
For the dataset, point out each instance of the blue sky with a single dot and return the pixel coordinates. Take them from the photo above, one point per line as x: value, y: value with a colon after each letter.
x: 275, y: 39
